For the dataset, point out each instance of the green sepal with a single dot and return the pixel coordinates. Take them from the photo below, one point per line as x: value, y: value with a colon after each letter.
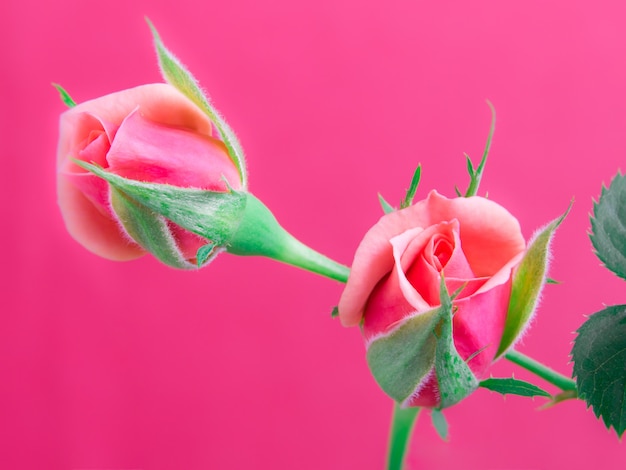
x: 212, y: 215
x: 335, y: 312
x: 528, y: 280
x: 204, y: 253
x: 513, y: 386
x: 403, y: 359
x: 470, y: 166
x: 410, y: 193
x: 175, y: 73
x: 387, y: 208
x: 454, y: 377
x: 65, y: 96
x: 599, y: 356
x: 439, y: 423
x: 477, y: 174
x: 148, y: 229
x: 608, y: 226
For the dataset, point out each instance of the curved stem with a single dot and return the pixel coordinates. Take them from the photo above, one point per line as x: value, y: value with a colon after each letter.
x: 260, y: 234
x: 537, y: 368
x: 298, y: 254
x: 402, y: 423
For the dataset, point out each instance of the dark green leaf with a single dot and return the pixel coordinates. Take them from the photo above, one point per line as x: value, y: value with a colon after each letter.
x: 608, y: 226
x: 65, y: 96
x: 410, y: 194
x: 528, y: 281
x: 549, y: 280
x: 513, y: 386
x: 335, y: 312
x: 402, y: 360
x: 454, y: 377
x: 440, y: 423
x: 177, y: 75
x: 599, y: 356
x: 476, y: 175
x: 387, y: 208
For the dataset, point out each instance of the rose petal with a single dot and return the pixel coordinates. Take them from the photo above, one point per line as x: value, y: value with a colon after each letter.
x: 479, y: 324
x: 406, y: 247
x: 489, y: 234
x: 159, y: 102
x: 95, y: 231
x: 146, y: 151
x: 187, y: 242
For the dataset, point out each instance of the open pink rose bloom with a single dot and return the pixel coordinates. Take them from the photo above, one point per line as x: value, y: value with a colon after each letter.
x: 151, y: 133
x: 397, y: 269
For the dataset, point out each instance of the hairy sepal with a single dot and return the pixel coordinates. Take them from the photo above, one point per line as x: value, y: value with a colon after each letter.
x: 403, y: 359
x: 175, y: 73
x: 210, y: 214
x: 528, y: 281
x: 454, y: 377
x: 148, y: 229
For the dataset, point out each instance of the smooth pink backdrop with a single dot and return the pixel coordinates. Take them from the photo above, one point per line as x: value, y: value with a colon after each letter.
x: 137, y: 366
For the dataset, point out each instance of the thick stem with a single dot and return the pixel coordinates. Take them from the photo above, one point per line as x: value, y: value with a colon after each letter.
x: 402, y: 423
x: 260, y: 234
x: 537, y: 368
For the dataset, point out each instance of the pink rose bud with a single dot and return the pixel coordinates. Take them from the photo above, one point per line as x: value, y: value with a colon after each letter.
x: 394, y: 291
x: 152, y: 135
x: 157, y: 169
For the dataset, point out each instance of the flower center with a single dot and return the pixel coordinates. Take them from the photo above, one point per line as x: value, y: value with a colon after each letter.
x: 442, y: 250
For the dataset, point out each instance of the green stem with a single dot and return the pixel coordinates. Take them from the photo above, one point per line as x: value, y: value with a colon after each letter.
x: 260, y: 234
x: 537, y: 368
x: 298, y: 254
x: 402, y: 423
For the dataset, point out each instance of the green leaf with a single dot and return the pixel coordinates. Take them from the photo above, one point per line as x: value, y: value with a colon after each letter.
x: 476, y: 175
x: 177, y: 75
x: 402, y: 360
x: 204, y: 253
x: 599, y: 356
x: 528, y: 280
x: 410, y: 194
x: 440, y: 423
x: 212, y: 215
x: 512, y: 386
x: 387, y: 208
x: 608, y: 226
x: 454, y: 377
x: 148, y: 229
x: 335, y: 312
x: 65, y: 96
x: 549, y: 280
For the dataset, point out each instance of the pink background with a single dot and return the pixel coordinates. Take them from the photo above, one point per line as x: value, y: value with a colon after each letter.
x: 136, y: 366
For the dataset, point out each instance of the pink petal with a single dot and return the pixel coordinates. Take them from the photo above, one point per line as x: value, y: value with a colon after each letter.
x: 159, y: 102
x: 490, y: 237
x: 146, y: 151
x: 489, y: 234
x: 89, y: 226
x: 478, y: 325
